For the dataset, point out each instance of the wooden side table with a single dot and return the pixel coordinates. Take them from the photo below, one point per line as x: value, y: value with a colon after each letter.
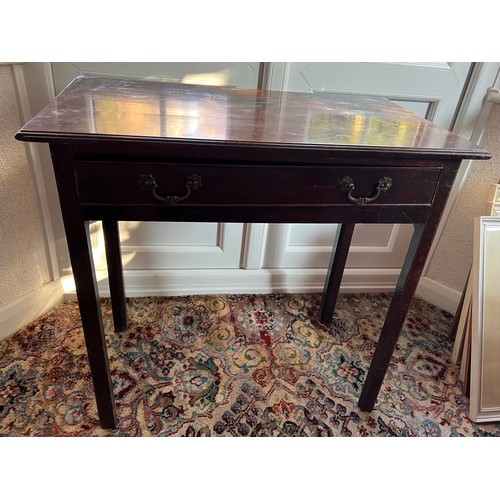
x: 149, y: 151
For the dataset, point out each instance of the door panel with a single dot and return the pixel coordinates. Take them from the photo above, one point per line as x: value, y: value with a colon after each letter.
x: 221, y: 252
x: 168, y: 233
x: 371, y: 234
x: 293, y: 246
x: 431, y: 90
x: 233, y: 74
x: 174, y: 245
x: 171, y: 245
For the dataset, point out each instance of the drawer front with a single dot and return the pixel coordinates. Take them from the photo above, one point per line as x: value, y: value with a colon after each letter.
x: 104, y: 183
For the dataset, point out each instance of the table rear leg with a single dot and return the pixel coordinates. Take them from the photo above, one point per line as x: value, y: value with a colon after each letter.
x: 115, y: 274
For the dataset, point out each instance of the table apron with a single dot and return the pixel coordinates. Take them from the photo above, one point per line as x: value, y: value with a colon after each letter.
x: 262, y: 214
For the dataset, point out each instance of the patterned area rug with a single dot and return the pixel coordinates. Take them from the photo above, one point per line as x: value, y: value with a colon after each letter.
x: 236, y: 365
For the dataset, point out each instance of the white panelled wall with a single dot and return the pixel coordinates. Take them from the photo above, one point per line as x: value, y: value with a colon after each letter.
x: 182, y: 258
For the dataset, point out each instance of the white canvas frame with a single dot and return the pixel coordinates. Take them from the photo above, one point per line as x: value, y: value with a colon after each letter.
x: 485, y: 347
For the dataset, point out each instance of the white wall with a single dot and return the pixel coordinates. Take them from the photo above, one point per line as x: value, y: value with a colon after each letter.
x: 26, y: 281
x: 452, y: 258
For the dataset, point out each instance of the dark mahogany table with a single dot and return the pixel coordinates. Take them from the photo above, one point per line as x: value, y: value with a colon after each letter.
x: 150, y: 151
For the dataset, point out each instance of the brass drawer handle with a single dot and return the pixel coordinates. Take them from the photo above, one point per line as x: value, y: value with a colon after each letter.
x: 147, y: 181
x: 347, y: 186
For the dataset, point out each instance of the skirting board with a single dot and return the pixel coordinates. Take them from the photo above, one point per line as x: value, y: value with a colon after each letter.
x: 438, y: 294
x: 28, y: 308
x: 240, y: 281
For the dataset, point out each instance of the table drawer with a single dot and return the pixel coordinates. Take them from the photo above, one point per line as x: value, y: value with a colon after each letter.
x: 105, y: 183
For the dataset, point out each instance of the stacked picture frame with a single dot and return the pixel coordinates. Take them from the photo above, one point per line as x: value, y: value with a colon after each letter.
x: 477, y: 341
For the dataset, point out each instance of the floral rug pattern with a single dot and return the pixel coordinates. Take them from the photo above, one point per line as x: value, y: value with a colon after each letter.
x: 236, y: 365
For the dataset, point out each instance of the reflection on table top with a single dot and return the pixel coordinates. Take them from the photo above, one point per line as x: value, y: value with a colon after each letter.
x: 104, y: 108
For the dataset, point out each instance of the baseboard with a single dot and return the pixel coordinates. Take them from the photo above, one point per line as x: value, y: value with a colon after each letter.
x: 438, y: 294
x: 26, y: 309
x: 226, y: 281
x: 222, y: 281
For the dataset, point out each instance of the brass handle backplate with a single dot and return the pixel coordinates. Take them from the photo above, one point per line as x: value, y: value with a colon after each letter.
x: 147, y: 181
x: 347, y: 186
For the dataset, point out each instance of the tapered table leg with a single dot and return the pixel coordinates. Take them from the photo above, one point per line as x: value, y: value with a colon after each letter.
x: 80, y: 250
x: 115, y: 273
x: 396, y: 315
x: 335, y: 272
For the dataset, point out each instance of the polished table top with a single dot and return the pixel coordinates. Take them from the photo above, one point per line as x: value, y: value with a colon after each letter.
x: 121, y: 110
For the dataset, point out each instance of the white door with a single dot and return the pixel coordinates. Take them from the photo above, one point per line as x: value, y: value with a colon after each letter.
x: 432, y: 90
x: 155, y: 246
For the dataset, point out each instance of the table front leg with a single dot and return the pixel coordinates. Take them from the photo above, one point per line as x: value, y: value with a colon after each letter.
x: 396, y: 315
x: 80, y: 253
x: 80, y: 250
x: 335, y: 272
x: 115, y: 274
